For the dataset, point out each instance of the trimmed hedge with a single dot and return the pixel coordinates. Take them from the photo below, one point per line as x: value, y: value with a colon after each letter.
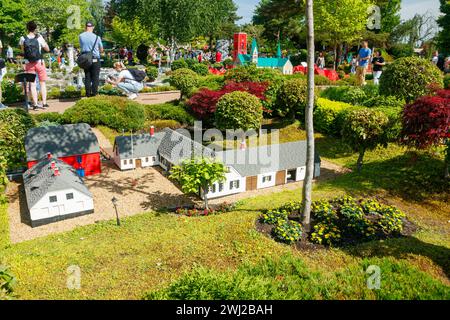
x: 114, y: 112
x: 410, y: 78
x: 168, y: 111
x: 184, y: 80
x: 328, y: 116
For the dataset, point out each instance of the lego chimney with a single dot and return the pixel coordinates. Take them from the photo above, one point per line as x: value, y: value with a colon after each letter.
x: 56, y: 172
x: 152, y: 131
x: 53, y: 164
x: 49, y: 155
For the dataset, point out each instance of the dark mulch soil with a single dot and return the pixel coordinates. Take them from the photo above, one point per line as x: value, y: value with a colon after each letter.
x: 409, y: 228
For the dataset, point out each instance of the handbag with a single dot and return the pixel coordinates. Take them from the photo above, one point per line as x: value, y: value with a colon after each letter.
x: 85, y: 60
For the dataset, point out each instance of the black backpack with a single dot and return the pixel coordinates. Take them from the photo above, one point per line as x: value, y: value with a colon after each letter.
x: 138, y: 75
x: 32, y: 49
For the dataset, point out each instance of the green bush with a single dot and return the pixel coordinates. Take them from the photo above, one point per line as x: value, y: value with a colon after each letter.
x: 410, y: 78
x: 7, y: 283
x: 250, y: 73
x: 179, y: 64
x: 152, y: 73
x: 287, y: 231
x: 273, y: 216
x: 54, y: 117
x: 158, y: 89
x: 447, y: 81
x: 54, y: 93
x: 114, y: 112
x: 384, y: 102
x: 110, y: 90
x: 239, y: 110
x: 200, y: 69
x: 184, y: 80
x: 293, y: 96
x: 168, y: 111
x: 401, y: 50
x: 191, y: 62
x: 11, y: 92
x: 322, y: 81
x: 326, y: 116
x: 344, y: 219
x: 70, y: 92
x: 14, y: 125
x: 212, y: 82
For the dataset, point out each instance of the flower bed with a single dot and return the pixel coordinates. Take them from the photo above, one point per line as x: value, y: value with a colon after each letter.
x: 214, y: 210
x: 335, y: 222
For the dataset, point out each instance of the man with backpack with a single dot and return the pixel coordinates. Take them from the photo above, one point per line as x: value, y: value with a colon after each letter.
x: 32, y: 45
x: 130, y: 81
x: 91, y: 47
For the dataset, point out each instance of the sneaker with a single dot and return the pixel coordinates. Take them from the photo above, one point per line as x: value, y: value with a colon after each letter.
x: 2, y: 106
x: 45, y: 106
x: 132, y: 96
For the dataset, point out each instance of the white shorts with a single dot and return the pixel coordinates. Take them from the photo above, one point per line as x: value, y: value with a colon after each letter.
x: 2, y: 73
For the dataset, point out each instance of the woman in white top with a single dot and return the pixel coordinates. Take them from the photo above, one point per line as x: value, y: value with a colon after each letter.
x: 125, y: 81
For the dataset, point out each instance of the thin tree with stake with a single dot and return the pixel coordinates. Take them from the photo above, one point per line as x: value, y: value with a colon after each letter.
x: 307, y: 185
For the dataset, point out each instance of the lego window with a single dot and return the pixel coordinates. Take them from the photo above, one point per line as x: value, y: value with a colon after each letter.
x: 53, y: 199
x: 79, y: 159
x: 221, y: 186
x: 69, y: 196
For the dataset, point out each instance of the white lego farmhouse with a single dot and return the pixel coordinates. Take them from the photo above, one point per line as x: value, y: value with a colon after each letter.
x: 169, y: 148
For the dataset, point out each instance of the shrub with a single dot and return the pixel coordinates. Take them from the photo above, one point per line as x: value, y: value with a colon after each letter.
x: 54, y: 117
x: 447, y: 81
x: 401, y: 50
x: 54, y: 93
x: 162, y: 124
x: 364, y: 130
x: 158, y: 89
x: 168, y: 111
x: 191, y: 62
x: 7, y: 283
x: 322, y: 81
x: 326, y: 116
x: 70, y: 92
x: 14, y: 125
x: 12, y: 92
x: 3, y: 182
x: 343, y: 219
x: 195, y: 212
x: 287, y: 231
x: 152, y: 73
x: 239, y: 110
x: 384, y: 102
x: 110, y: 90
x: 293, y: 95
x: 200, y: 69
x: 211, y: 82
x: 114, y: 112
x: 250, y: 73
x: 179, y: 64
x: 184, y: 80
x: 273, y: 216
x: 410, y: 78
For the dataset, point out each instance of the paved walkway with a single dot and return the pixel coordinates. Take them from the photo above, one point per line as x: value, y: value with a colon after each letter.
x: 145, y: 98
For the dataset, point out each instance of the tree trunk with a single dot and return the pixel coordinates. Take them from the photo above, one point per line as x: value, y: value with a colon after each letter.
x: 335, y: 57
x: 205, y: 196
x: 307, y: 185
x: 359, y: 164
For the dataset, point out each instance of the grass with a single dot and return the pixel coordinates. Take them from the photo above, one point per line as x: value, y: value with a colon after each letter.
x: 4, y: 226
x: 171, y: 257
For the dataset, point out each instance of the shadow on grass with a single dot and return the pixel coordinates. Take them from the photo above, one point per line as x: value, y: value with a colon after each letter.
x: 411, y: 176
x: 400, y: 248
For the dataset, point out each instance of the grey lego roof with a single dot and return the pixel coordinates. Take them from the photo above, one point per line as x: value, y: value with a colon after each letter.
x: 61, y: 141
x: 39, y: 180
x: 168, y: 143
x: 265, y: 159
x: 143, y: 145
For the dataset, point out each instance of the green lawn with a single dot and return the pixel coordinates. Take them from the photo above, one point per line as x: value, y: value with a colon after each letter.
x: 226, y: 257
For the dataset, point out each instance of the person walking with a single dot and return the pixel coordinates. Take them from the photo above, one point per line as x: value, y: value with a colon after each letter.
x: 129, y: 81
x: 90, y: 42
x: 10, y: 55
x: 363, y: 58
x: 354, y: 64
x: 378, y: 64
x: 321, y: 61
x: 32, y: 46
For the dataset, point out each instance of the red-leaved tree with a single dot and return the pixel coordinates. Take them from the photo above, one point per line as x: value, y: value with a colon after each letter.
x: 204, y: 102
x: 426, y: 123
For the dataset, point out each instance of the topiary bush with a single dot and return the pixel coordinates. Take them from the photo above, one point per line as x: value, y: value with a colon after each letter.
x: 152, y: 73
x: 70, y: 92
x: 200, y: 69
x: 410, y: 78
x: 365, y: 129
x: 14, y: 125
x: 179, y: 64
x: 114, y: 112
x: 293, y: 96
x: 184, y: 80
x: 239, y: 110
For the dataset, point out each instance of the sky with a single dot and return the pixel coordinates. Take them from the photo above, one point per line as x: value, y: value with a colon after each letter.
x: 409, y: 8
